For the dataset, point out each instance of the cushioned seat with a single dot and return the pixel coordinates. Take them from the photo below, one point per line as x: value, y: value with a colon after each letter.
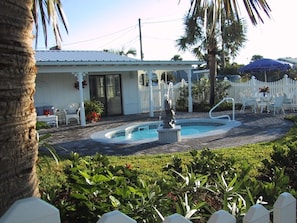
x: 45, y: 110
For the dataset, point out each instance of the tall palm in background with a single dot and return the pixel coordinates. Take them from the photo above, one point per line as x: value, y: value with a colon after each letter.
x: 208, y: 44
x: 18, y: 137
x: 233, y: 37
x: 206, y: 25
x: 122, y: 52
x: 176, y: 57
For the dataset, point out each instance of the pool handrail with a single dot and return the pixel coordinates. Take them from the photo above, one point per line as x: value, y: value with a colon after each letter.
x: 223, y: 116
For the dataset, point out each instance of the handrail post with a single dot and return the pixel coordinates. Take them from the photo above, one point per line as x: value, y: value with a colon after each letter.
x: 217, y: 105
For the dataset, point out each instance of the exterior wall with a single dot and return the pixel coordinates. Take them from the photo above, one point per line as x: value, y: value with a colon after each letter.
x: 57, y: 90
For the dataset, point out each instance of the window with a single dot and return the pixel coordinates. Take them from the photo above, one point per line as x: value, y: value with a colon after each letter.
x: 144, y: 79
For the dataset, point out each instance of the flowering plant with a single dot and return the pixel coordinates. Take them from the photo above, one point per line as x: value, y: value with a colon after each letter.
x: 264, y: 89
x: 93, y: 117
x: 93, y: 110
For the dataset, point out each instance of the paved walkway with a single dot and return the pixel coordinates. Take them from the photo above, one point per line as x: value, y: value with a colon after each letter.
x: 254, y: 128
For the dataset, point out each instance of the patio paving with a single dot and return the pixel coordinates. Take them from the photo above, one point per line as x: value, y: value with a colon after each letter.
x: 255, y: 127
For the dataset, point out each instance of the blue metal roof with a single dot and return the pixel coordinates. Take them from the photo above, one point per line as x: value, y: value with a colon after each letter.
x: 78, y: 56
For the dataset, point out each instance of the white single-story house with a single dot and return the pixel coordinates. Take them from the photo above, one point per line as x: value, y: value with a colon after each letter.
x: 67, y: 77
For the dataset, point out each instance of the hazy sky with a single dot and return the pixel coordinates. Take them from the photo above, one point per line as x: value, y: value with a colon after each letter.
x: 105, y: 24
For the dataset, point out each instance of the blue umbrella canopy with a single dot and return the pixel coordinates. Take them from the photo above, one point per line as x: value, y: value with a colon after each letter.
x: 264, y: 65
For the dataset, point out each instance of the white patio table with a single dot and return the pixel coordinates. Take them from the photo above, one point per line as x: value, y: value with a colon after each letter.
x: 49, y: 119
x: 263, y: 102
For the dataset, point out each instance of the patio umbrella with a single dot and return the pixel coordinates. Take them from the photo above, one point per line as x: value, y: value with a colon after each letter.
x: 264, y: 65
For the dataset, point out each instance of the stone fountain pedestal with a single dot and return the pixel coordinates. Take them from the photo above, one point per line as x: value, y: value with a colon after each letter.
x: 169, y: 135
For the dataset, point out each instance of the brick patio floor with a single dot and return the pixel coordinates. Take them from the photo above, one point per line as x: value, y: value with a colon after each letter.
x: 255, y: 127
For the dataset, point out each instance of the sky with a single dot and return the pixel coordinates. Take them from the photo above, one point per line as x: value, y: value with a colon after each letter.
x: 105, y: 24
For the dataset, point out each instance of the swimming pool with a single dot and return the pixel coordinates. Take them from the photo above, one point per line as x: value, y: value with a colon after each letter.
x: 144, y: 132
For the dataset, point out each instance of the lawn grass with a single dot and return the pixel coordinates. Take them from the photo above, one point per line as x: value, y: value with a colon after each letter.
x: 52, y: 177
x: 151, y: 165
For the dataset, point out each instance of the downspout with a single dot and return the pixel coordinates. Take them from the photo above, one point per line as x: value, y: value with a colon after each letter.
x: 190, y: 99
x: 79, y: 76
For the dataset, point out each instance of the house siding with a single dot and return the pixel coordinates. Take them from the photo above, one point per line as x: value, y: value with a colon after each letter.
x: 57, y: 90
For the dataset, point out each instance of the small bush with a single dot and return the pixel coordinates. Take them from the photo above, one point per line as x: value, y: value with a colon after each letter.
x: 94, y: 110
x: 284, y: 158
x: 42, y: 125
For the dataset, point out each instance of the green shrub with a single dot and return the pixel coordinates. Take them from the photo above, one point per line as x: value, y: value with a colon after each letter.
x: 281, y: 168
x: 93, y: 187
x: 182, y: 101
x: 42, y: 125
x: 93, y: 110
x: 201, y: 90
x: 210, y: 163
x: 210, y: 183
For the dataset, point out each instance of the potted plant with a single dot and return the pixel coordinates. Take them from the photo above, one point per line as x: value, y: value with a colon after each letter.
x: 264, y: 90
x: 93, y: 110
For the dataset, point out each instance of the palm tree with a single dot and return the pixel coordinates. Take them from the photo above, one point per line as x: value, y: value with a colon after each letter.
x: 176, y: 57
x: 128, y: 52
x: 19, y: 146
x: 256, y: 57
x: 200, y: 32
x: 231, y: 8
x: 202, y: 23
x: 233, y: 35
x: 122, y: 52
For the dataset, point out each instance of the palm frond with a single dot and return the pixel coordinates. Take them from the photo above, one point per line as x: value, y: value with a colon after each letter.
x: 49, y: 13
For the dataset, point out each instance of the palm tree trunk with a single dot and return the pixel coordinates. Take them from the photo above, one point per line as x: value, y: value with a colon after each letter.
x: 18, y: 143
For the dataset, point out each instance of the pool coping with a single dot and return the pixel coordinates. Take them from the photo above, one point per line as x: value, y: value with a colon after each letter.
x: 100, y: 136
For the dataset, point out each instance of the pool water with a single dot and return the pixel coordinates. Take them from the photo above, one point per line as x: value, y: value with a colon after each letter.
x: 151, y: 132
x: 140, y: 132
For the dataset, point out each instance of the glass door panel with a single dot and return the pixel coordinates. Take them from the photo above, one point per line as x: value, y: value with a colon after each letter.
x: 107, y: 89
x: 113, y: 94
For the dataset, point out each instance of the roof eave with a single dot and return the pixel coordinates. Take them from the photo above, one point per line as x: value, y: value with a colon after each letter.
x: 88, y: 63
x: 119, y: 66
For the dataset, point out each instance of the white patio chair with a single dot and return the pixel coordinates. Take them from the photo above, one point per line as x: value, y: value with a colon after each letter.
x: 72, y: 112
x: 289, y: 102
x: 277, y: 105
x: 248, y: 102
